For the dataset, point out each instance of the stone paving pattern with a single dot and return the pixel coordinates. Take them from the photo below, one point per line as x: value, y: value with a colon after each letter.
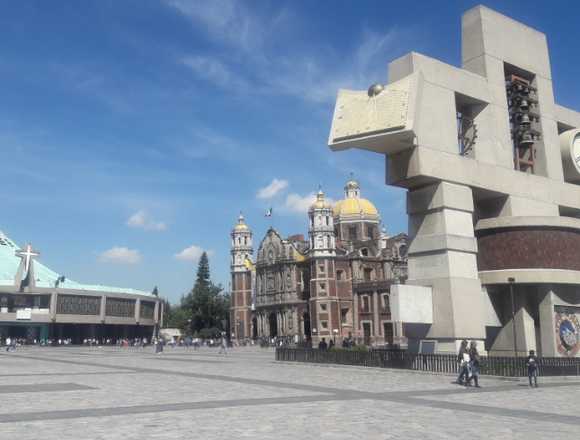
x: 111, y: 393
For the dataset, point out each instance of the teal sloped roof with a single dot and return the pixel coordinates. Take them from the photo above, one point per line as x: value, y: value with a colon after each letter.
x: 45, y: 277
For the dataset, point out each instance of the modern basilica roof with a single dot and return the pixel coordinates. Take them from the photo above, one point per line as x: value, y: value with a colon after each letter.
x: 44, y: 277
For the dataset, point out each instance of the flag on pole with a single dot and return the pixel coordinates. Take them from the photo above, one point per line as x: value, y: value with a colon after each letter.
x: 268, y: 213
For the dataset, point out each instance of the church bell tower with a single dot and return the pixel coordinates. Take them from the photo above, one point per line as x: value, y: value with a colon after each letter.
x: 324, y: 305
x: 241, y: 287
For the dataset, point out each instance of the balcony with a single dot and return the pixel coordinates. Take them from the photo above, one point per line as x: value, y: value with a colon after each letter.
x: 371, y: 286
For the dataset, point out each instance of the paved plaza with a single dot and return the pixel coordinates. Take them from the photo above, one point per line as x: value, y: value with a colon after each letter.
x: 110, y: 393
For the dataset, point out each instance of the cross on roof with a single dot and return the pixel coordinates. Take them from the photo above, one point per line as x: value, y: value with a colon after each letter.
x: 27, y: 254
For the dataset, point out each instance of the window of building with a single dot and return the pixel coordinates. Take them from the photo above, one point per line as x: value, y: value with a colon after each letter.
x: 352, y: 232
x: 368, y: 274
x: 364, y: 252
x: 324, y: 324
x: 323, y: 307
x: 321, y: 268
x: 365, y: 304
x: 339, y: 275
x: 327, y: 221
x: 371, y: 231
x: 344, y: 316
x: 385, y: 303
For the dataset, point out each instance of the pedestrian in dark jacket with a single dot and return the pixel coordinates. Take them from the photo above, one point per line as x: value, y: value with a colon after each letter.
x: 474, y: 364
x: 322, y: 345
x: 532, y: 364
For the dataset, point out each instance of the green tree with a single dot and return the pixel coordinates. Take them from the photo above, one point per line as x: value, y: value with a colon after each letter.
x: 206, y: 303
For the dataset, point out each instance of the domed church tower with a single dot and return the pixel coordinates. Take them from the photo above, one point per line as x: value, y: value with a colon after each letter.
x: 324, y: 306
x: 355, y: 218
x: 321, y: 230
x: 241, y: 289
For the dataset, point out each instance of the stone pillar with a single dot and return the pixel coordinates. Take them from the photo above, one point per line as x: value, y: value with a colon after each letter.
x: 547, y: 325
x: 355, y: 323
x: 376, y: 323
x: 138, y: 310
x: 442, y: 254
x: 53, y: 305
x: 104, y: 308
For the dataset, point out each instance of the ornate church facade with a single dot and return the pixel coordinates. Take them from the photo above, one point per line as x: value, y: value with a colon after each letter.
x: 333, y: 285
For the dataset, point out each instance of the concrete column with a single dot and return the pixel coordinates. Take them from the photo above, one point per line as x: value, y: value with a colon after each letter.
x: 262, y: 332
x: 376, y: 323
x: 442, y: 254
x: 547, y: 325
x: 355, y: 323
x: 138, y: 310
x: 104, y: 308
x: 53, y: 305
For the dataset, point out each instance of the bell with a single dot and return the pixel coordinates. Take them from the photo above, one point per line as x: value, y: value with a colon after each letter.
x: 524, y: 105
x: 525, y: 120
x: 526, y: 139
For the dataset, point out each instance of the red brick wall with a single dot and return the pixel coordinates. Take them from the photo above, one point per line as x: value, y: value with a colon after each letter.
x: 533, y: 248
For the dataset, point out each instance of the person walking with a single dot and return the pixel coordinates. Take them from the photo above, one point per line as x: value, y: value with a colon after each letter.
x: 474, y: 363
x: 463, y: 359
x: 223, y: 346
x: 532, y: 364
x: 322, y: 345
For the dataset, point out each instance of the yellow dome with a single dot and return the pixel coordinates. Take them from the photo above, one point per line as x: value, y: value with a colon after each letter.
x: 241, y: 227
x: 355, y: 206
x: 320, y: 202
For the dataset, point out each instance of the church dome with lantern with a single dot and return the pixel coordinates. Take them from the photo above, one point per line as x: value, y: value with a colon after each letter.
x: 353, y: 204
x: 320, y: 202
x: 241, y: 225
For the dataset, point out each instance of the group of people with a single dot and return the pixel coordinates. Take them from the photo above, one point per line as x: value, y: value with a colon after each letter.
x: 323, y: 345
x: 470, y: 364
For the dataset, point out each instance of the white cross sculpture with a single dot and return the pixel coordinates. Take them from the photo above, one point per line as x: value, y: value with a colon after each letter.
x: 27, y: 254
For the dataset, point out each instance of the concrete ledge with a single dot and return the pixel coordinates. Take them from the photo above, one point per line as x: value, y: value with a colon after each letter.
x: 439, y: 196
x: 428, y: 164
x: 525, y: 276
x: 519, y: 222
x: 437, y: 242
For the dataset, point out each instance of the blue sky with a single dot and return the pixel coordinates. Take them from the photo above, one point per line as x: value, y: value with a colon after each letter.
x: 133, y: 132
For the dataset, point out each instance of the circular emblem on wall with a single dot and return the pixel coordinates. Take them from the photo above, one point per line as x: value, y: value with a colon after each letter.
x: 567, y: 334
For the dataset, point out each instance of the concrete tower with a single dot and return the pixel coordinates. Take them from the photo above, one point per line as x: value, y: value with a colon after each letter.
x: 324, y: 310
x: 241, y: 301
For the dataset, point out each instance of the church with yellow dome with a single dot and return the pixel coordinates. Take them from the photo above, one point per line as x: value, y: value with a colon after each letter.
x: 335, y: 284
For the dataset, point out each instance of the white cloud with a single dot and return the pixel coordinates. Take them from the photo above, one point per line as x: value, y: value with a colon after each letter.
x: 300, y: 204
x: 142, y: 220
x: 272, y: 189
x: 225, y: 20
x: 213, y: 70
x: 191, y: 253
x: 120, y: 255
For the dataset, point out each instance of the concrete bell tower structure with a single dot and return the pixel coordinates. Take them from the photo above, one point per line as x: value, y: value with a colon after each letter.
x: 241, y: 288
x: 491, y: 164
x: 324, y: 305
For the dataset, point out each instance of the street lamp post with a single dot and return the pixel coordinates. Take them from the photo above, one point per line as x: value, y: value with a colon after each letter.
x: 512, y: 282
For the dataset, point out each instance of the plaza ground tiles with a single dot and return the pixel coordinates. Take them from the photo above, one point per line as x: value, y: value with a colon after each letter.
x: 110, y: 393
